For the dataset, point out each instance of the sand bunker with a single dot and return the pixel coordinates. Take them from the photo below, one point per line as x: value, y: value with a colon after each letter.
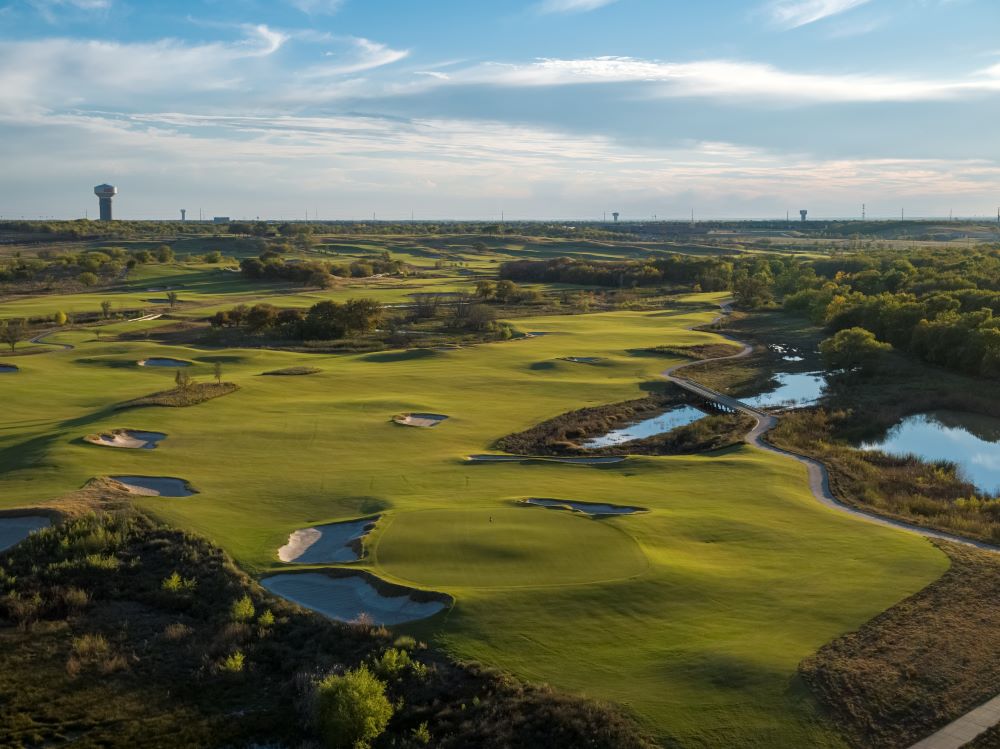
x: 159, y: 361
x: 583, y: 359
x: 155, y: 486
x: 13, y: 530
x: 130, y: 439
x: 596, y: 461
x: 587, y: 508
x: 8, y: 368
x: 324, y: 544
x: 419, y: 420
x: 346, y: 599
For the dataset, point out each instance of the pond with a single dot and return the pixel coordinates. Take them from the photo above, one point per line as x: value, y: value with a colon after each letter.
x: 794, y: 388
x: 660, y: 424
x: 8, y: 369
x: 970, y: 440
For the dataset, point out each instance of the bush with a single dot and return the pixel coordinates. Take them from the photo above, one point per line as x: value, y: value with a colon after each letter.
x: 352, y: 710
x: 234, y: 662
x: 392, y: 663
x: 176, y: 584
x: 242, y: 610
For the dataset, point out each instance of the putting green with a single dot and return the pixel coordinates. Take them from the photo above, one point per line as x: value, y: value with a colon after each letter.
x: 504, y: 547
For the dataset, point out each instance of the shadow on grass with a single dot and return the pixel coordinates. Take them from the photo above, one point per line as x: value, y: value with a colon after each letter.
x: 395, y: 356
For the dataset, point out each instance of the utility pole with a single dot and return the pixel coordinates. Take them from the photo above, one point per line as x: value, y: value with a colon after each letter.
x: 863, y: 211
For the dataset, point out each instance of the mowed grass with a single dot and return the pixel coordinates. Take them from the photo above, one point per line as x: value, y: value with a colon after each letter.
x: 695, y: 615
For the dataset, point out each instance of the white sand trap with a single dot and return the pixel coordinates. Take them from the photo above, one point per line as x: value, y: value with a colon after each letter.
x: 129, y: 439
x: 420, y: 420
x: 155, y: 486
x: 347, y: 598
x: 324, y: 544
x: 596, y: 461
x: 159, y: 361
x: 8, y: 369
x: 587, y: 508
x: 13, y: 530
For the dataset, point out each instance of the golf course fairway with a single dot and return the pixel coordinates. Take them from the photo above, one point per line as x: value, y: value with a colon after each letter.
x: 693, y: 615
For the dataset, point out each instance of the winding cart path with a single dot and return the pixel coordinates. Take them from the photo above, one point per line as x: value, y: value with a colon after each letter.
x: 966, y: 728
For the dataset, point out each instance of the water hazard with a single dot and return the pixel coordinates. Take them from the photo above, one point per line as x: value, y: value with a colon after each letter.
x: 665, y: 422
x: 970, y: 440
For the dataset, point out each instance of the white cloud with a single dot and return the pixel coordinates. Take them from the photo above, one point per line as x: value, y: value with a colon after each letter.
x: 794, y: 13
x: 572, y: 6
x: 49, y: 8
x: 726, y: 79
x: 363, y: 55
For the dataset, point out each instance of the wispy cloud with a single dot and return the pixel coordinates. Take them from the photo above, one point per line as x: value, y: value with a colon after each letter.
x: 49, y: 9
x: 791, y: 14
x: 572, y: 6
x: 724, y: 79
x: 317, y: 7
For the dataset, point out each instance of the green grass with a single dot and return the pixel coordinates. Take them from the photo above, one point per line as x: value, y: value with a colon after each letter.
x: 694, y: 615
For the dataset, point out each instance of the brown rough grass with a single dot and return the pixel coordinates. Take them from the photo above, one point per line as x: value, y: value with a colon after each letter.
x: 921, y: 664
x: 180, y: 397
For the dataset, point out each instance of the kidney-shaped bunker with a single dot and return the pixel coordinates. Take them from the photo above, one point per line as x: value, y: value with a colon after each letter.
x: 327, y: 544
x: 129, y: 439
x: 350, y: 597
x: 13, y: 530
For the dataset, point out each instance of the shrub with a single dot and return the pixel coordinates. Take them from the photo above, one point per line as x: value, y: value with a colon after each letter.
x: 266, y: 620
x: 234, y: 662
x: 352, y: 710
x: 176, y: 584
x: 176, y: 631
x: 75, y: 599
x: 391, y: 663
x: 242, y: 610
x: 90, y: 646
x: 421, y: 734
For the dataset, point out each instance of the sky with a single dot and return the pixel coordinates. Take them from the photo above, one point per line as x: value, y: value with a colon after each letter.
x: 473, y: 109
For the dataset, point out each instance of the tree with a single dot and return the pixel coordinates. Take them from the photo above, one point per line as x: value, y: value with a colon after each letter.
x: 505, y: 292
x: 106, y: 309
x: 164, y: 253
x: 172, y: 297
x: 853, y: 348
x: 182, y: 379
x: 88, y: 279
x: 485, y: 290
x: 60, y: 318
x: 217, y: 371
x: 13, y: 332
x: 352, y: 710
x: 261, y: 316
x: 321, y: 279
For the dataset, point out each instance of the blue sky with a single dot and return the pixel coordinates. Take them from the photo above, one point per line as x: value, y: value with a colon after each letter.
x: 537, y: 108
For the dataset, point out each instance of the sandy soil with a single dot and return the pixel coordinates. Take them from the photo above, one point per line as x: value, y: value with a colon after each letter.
x: 129, y: 439
x: 324, y: 544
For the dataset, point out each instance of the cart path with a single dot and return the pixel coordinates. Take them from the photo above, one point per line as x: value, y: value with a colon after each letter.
x: 963, y: 730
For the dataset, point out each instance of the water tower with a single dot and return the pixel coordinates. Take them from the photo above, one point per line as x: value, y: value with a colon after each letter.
x: 184, y: 214
x: 615, y: 216
x: 104, y: 195
x: 803, y: 214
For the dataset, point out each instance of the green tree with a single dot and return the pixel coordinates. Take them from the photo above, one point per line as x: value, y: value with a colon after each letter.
x: 60, y: 318
x: 182, y: 379
x: 106, y: 309
x: 217, y: 371
x: 485, y: 289
x: 13, y: 332
x: 164, y: 253
x: 88, y: 279
x: 853, y: 348
x: 352, y: 710
x: 172, y: 297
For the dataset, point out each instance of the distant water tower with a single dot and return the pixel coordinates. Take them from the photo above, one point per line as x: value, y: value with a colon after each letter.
x: 615, y: 216
x: 104, y: 195
x: 803, y: 214
x: 184, y: 214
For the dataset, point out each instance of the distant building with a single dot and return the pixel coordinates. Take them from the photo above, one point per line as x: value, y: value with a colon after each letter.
x: 803, y: 214
x: 615, y: 216
x: 104, y: 195
x: 220, y: 220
